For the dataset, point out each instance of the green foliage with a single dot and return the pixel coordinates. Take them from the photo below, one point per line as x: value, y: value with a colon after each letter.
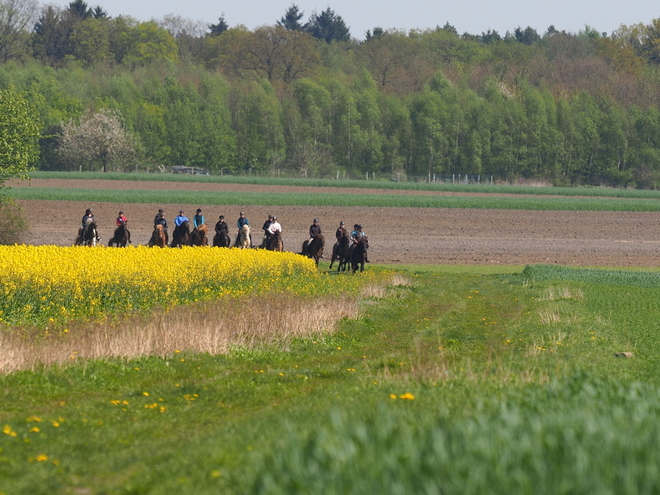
x: 19, y: 131
x: 563, y: 437
x: 569, y: 109
x: 13, y: 223
x: 457, y: 382
x: 331, y: 199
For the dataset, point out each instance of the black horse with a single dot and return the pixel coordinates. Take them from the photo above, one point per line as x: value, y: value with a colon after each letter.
x: 121, y: 238
x: 222, y: 239
x: 341, y: 252
x: 359, y: 254
x: 314, y: 249
x: 89, y: 233
x: 181, y: 235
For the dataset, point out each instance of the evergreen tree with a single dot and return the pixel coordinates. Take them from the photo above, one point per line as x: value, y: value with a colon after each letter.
x: 291, y: 19
x: 328, y: 26
x: 220, y: 27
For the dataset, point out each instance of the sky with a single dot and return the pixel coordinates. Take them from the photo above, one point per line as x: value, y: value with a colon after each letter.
x: 471, y: 16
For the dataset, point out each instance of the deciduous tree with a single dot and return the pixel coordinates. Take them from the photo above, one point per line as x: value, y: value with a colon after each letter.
x: 98, y: 138
x: 19, y: 133
x: 17, y: 18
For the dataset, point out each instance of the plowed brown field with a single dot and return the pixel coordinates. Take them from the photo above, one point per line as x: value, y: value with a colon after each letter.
x: 396, y: 235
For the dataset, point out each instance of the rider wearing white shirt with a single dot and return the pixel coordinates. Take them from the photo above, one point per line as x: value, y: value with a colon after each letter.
x: 274, y: 227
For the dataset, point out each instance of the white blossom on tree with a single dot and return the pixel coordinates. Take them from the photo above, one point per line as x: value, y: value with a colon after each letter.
x: 97, y: 138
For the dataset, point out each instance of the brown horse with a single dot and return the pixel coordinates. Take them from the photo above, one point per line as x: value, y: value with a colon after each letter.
x: 341, y: 252
x: 121, y: 238
x: 198, y: 236
x: 275, y: 243
x: 314, y: 249
x: 181, y: 235
x: 359, y: 254
x: 158, y: 238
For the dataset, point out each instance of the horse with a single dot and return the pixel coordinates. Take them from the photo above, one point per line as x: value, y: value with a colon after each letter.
x: 158, y: 237
x: 221, y: 239
x: 89, y: 234
x: 244, y: 237
x: 359, y: 254
x: 181, y: 235
x: 341, y: 252
x: 275, y: 243
x: 314, y: 249
x: 198, y: 236
x: 121, y: 236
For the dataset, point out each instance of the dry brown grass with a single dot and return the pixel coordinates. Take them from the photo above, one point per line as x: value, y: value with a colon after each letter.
x: 211, y: 327
x: 446, y: 367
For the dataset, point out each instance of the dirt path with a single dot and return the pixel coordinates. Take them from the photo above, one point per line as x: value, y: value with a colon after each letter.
x: 398, y: 235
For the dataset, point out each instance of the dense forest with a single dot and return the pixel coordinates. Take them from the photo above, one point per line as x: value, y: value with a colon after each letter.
x: 303, y: 97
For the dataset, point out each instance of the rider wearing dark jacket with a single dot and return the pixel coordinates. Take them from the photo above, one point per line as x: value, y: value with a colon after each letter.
x: 88, y: 214
x: 221, y: 227
x: 267, y: 234
x: 339, y: 233
x: 160, y: 219
x: 314, y: 230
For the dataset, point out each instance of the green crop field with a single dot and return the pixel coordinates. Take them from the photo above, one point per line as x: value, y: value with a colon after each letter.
x: 453, y: 380
x: 328, y: 199
x: 364, y: 184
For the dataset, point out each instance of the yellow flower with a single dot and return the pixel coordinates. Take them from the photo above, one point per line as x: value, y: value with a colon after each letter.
x: 393, y: 396
x: 407, y: 396
x: 8, y: 431
x: 42, y: 458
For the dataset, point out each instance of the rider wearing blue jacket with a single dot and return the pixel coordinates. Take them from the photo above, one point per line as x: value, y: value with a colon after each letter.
x: 198, y: 219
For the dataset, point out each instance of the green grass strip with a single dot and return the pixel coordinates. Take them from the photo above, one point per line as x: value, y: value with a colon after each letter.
x: 593, y: 275
x: 371, y: 184
x: 361, y: 200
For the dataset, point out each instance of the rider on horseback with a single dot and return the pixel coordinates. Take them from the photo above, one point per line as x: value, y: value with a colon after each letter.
x: 160, y: 220
x: 356, y: 236
x: 122, y: 220
x: 198, y: 219
x: 242, y: 220
x: 221, y: 228
x: 81, y: 233
x: 178, y: 222
x: 275, y: 227
x: 314, y: 230
x: 339, y: 233
x: 180, y: 218
x: 267, y: 234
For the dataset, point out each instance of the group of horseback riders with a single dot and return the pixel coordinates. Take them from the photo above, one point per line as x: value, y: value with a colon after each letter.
x: 272, y: 229
x: 343, y: 248
x: 88, y: 235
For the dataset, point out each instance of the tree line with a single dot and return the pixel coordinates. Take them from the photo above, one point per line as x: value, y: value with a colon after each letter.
x: 306, y: 98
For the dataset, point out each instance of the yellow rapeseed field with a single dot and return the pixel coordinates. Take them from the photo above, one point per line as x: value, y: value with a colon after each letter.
x: 42, y: 285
